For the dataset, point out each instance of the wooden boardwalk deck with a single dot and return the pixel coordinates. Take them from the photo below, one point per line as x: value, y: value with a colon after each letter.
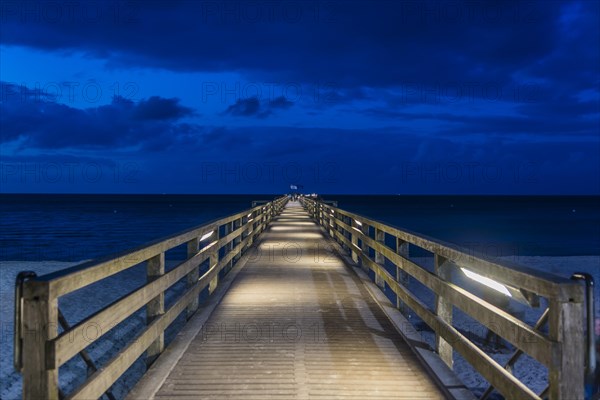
x: 297, y: 323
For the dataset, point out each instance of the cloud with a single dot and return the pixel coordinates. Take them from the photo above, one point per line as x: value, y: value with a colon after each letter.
x: 374, y: 64
x: 372, y: 44
x: 158, y: 108
x: 280, y: 102
x: 252, y: 107
x: 245, y: 108
x: 40, y: 123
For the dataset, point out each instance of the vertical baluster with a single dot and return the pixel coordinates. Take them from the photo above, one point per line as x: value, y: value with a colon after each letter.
x: 40, y: 324
x: 332, y: 224
x: 565, y: 325
x: 354, y: 240
x: 379, y: 258
x: 214, y: 261
x: 250, y: 229
x: 401, y: 276
x: 228, y: 247
x: 443, y: 309
x: 155, y: 268
x: 348, y: 234
x: 263, y: 219
x: 193, y: 275
x: 365, y: 247
x: 236, y: 226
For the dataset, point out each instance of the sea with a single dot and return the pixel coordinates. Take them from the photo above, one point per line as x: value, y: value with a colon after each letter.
x: 66, y: 227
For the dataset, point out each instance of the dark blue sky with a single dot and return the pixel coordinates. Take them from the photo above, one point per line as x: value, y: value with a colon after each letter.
x: 340, y: 97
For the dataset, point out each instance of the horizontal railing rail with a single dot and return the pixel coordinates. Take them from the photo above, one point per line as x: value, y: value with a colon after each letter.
x: 560, y: 349
x: 40, y: 350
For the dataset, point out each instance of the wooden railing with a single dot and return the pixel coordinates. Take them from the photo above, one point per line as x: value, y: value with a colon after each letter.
x: 40, y: 350
x: 561, y: 349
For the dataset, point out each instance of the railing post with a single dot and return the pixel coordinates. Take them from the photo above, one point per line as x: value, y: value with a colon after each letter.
x: 250, y: 226
x: 263, y: 220
x: 214, y: 260
x: 566, y: 376
x: 365, y: 247
x: 336, y: 227
x: 228, y: 247
x: 443, y: 309
x: 402, y: 248
x: 155, y: 268
x: 354, y: 240
x: 40, y: 324
x: 236, y: 225
x: 379, y: 258
x: 193, y: 276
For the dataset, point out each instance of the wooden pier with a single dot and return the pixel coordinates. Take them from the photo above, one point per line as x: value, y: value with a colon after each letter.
x: 295, y: 324
x: 293, y: 314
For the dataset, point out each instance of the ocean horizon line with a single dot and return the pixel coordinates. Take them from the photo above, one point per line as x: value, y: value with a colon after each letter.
x: 320, y: 194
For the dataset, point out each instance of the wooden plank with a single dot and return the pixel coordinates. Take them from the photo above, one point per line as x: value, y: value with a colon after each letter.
x: 44, y: 352
x: 566, y: 375
x: 504, y: 324
x: 494, y: 373
x: 540, y: 282
x: 118, y: 364
x: 510, y: 328
x: 73, y: 278
x: 363, y: 231
x: 69, y: 343
x: 443, y: 309
x: 402, y: 277
x: 156, y: 306
x: 237, y: 224
x: 221, y: 364
x: 214, y: 261
x: 354, y: 240
x: 40, y: 324
x: 101, y: 380
x: 379, y: 258
x: 193, y: 246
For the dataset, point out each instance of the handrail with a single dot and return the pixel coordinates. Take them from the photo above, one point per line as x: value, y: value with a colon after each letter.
x: 560, y: 349
x: 18, y: 318
x: 42, y: 350
x: 590, y: 337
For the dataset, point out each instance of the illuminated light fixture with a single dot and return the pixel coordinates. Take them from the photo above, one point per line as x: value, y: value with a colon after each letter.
x: 207, y: 235
x: 250, y: 220
x: 358, y: 223
x: 487, y: 282
x: 249, y: 215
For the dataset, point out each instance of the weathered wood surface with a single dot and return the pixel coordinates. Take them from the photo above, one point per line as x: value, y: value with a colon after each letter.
x: 44, y: 352
x: 561, y: 350
x: 297, y: 323
x: 540, y: 282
